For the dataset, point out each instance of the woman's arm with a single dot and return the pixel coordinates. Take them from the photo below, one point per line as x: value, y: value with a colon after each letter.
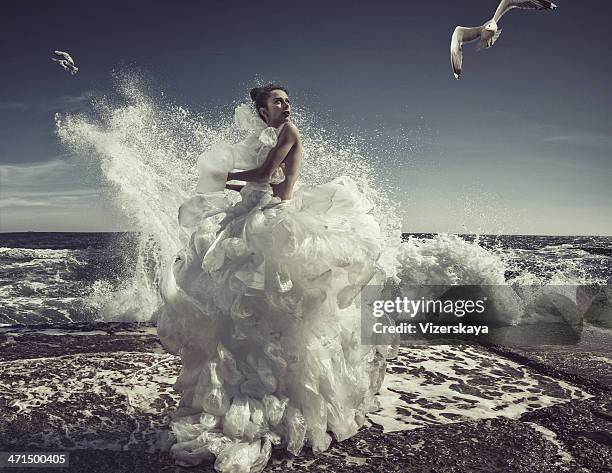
x: 287, y: 139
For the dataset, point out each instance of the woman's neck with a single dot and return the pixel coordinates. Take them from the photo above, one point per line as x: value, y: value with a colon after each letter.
x: 277, y: 125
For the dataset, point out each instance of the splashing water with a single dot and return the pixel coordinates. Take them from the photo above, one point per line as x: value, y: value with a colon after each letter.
x: 147, y: 150
x: 147, y: 153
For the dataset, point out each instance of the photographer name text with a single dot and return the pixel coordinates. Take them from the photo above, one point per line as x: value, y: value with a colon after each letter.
x: 428, y: 328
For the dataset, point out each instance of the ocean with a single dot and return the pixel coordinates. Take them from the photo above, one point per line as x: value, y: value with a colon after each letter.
x: 57, y: 278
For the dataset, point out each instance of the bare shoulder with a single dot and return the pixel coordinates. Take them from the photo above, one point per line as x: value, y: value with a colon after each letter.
x: 290, y: 132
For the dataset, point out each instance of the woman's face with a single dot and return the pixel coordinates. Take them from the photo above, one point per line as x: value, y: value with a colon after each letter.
x: 278, y: 108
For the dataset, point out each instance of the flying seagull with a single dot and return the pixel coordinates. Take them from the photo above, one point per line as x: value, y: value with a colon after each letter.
x: 488, y: 33
x: 67, y: 63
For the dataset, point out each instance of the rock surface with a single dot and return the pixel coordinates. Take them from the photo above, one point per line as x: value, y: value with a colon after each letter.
x: 103, y: 392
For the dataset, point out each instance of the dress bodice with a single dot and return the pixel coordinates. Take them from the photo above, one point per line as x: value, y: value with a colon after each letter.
x: 278, y: 175
x: 247, y: 154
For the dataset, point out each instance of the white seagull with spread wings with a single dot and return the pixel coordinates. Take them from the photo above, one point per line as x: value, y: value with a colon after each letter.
x: 488, y: 33
x: 67, y: 63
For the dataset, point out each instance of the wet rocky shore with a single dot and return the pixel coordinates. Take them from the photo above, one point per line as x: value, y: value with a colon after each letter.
x: 103, y: 392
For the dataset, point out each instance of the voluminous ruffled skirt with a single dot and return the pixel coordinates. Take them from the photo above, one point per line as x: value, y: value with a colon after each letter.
x: 262, y: 307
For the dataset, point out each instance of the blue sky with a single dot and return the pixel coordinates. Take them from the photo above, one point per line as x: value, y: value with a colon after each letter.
x: 521, y: 144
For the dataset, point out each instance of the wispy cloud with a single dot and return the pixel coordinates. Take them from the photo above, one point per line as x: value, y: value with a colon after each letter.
x: 14, y: 202
x: 19, y: 175
x: 65, y: 103
x: 553, y: 133
x: 52, y: 193
x: 580, y: 139
x: 53, y: 183
x: 22, y: 106
x: 74, y: 201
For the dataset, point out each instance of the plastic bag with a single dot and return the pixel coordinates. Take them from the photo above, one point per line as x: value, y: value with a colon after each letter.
x: 209, y: 421
x: 187, y: 428
x: 315, y: 413
x: 264, y: 456
x: 210, y: 393
x: 257, y: 412
x: 252, y: 387
x: 236, y: 418
x: 266, y: 375
x: 274, y: 408
x: 195, y: 451
x: 273, y: 351
x: 341, y: 422
x: 190, y: 453
x: 296, y: 430
x: 227, y: 366
x: 216, y: 442
x: 238, y: 457
x: 256, y: 427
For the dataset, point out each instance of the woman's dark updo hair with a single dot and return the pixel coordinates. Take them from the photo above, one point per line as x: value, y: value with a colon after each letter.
x: 260, y: 96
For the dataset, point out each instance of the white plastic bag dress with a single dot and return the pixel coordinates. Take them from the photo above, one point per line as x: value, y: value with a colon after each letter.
x: 262, y: 308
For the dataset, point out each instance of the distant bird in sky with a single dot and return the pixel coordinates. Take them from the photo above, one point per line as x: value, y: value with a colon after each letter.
x: 488, y: 33
x: 67, y: 62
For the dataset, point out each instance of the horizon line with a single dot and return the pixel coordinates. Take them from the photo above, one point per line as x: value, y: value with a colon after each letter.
x: 403, y: 233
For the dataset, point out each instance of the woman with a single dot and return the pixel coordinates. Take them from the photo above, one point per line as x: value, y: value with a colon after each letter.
x: 261, y: 305
x: 274, y: 108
